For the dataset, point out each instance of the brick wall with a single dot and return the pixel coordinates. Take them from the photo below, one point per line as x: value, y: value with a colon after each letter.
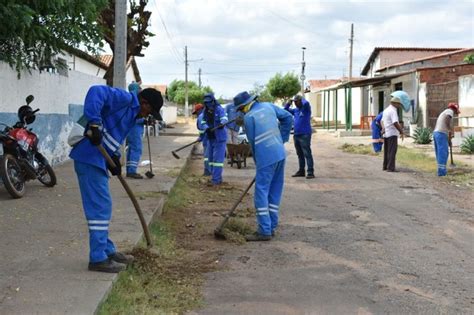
x: 446, y: 74
x: 442, y: 88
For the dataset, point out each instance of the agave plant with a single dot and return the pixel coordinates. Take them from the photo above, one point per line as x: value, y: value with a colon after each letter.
x: 423, y: 136
x: 467, y: 146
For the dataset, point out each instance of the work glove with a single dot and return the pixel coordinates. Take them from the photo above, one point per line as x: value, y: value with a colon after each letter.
x: 210, y: 134
x: 239, y: 121
x: 117, y: 170
x: 95, y: 136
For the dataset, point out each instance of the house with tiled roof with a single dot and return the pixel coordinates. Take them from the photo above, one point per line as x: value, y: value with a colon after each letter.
x: 385, y: 56
x: 432, y: 77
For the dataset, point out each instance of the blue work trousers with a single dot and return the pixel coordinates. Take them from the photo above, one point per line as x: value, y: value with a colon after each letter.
x: 207, y: 167
x: 97, y: 204
x: 134, y: 152
x: 269, y: 182
x: 303, y: 150
x: 216, y: 156
x: 377, y: 140
x: 441, y: 145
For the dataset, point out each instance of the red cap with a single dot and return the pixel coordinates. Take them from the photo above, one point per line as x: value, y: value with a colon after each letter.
x: 455, y: 107
x: 197, y: 108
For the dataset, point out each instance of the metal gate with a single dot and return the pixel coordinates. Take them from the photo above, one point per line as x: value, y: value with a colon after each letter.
x: 437, y: 97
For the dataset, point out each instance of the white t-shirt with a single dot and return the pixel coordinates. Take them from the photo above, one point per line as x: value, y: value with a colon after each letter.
x: 441, y: 124
x: 389, y: 117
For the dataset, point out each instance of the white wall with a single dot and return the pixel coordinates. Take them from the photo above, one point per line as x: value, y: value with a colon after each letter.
x: 53, y: 92
x: 466, y: 101
x: 169, y: 113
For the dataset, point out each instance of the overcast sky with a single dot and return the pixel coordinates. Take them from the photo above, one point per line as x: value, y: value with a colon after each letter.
x: 237, y: 43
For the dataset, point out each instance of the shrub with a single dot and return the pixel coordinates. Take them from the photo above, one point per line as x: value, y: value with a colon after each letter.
x: 423, y: 135
x: 467, y: 146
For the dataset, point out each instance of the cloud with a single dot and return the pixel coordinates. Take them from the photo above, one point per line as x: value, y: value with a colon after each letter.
x: 245, y: 41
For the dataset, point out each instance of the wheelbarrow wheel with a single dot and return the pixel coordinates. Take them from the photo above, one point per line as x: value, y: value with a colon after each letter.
x: 239, y: 162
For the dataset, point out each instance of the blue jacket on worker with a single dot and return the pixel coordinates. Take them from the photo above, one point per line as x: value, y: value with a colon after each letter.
x: 302, y: 117
x: 213, y: 116
x: 115, y: 110
x: 267, y: 127
x: 232, y: 114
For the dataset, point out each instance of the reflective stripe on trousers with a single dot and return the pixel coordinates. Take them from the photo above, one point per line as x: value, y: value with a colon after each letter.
x: 97, y: 204
x: 269, y: 182
x: 216, y: 155
x: 134, y: 152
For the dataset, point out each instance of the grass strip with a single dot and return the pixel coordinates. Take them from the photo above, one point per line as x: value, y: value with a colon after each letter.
x: 164, y: 280
x: 412, y: 159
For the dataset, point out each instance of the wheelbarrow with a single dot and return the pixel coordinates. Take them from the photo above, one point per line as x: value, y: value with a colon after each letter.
x: 238, y: 154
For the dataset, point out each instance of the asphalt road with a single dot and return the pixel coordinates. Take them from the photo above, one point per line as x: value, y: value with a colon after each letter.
x: 354, y: 240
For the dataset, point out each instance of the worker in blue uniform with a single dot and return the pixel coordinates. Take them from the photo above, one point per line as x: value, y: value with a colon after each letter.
x: 377, y: 139
x: 134, y: 140
x: 198, y: 111
x: 302, y: 135
x: 268, y: 128
x: 110, y: 113
x: 214, y: 116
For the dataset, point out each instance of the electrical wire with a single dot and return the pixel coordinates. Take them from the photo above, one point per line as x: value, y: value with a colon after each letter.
x: 174, y: 50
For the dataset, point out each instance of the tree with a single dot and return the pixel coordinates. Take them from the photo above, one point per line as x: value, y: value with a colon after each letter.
x: 262, y: 92
x: 469, y: 59
x: 34, y: 30
x: 176, y: 92
x: 137, y: 31
x: 284, y: 86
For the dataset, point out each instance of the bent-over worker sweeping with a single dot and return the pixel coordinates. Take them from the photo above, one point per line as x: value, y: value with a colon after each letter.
x: 110, y: 113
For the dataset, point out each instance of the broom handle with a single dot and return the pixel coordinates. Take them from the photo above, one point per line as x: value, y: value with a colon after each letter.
x: 131, y: 195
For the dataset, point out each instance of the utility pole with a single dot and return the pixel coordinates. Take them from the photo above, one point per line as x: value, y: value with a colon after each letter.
x: 199, y: 73
x: 302, y: 77
x: 120, y: 49
x: 351, y: 41
x: 186, y: 103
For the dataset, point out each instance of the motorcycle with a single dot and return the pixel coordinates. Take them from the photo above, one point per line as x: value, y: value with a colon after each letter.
x: 20, y: 160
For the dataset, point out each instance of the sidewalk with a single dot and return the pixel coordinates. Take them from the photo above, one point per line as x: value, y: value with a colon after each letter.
x: 44, y: 236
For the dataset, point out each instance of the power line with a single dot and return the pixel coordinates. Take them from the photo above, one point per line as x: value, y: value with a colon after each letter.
x: 175, y: 51
x: 250, y: 65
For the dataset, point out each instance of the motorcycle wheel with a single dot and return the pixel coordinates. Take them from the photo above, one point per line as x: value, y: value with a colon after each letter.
x: 47, y: 176
x: 12, y: 177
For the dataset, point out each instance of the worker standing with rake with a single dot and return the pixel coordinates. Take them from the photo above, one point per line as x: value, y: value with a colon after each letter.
x: 214, y: 116
x: 267, y: 127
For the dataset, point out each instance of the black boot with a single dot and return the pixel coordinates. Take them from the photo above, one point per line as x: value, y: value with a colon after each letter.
x: 108, y: 266
x: 257, y: 237
x: 134, y: 175
x: 310, y: 176
x: 298, y: 174
x: 122, y: 258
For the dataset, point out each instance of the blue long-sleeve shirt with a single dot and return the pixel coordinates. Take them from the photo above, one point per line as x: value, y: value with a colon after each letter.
x: 302, y: 117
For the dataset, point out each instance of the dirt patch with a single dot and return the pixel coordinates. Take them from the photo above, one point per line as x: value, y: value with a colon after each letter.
x: 168, y: 278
